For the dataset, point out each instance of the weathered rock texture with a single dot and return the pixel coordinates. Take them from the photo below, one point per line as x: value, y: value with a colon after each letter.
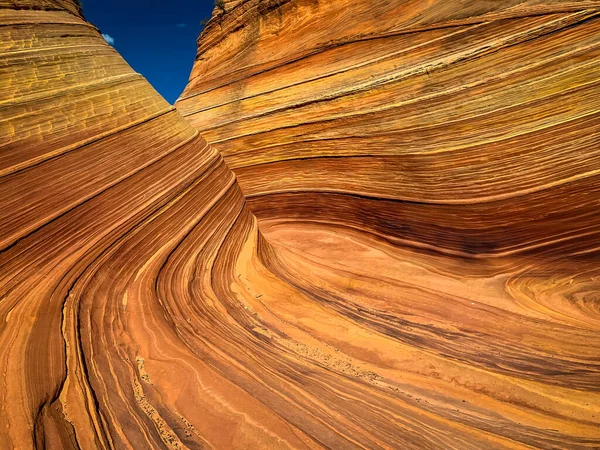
x: 465, y: 127
x: 428, y: 186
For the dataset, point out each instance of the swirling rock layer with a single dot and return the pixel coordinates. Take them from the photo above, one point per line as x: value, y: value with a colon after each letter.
x: 426, y: 274
x: 467, y: 127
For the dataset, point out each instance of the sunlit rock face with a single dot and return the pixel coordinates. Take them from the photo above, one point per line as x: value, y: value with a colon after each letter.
x: 470, y: 128
x: 426, y: 273
x: 116, y: 218
x: 461, y: 139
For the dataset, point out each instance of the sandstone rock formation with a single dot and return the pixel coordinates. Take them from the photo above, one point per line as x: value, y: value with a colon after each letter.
x: 426, y: 176
x: 465, y: 127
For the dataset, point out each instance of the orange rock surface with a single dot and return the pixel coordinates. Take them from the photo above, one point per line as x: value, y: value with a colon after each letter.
x: 426, y: 275
x: 465, y: 127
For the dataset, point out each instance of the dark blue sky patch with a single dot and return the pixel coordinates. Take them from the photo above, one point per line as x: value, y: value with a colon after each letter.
x: 156, y: 37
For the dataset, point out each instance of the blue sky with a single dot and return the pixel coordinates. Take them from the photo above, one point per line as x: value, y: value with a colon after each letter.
x: 156, y: 37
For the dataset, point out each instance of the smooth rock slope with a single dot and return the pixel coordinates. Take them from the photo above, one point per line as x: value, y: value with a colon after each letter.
x: 426, y: 272
x: 464, y: 127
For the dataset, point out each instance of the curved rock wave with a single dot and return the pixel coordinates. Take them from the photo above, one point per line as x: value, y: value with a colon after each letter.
x: 466, y: 126
x: 450, y: 303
